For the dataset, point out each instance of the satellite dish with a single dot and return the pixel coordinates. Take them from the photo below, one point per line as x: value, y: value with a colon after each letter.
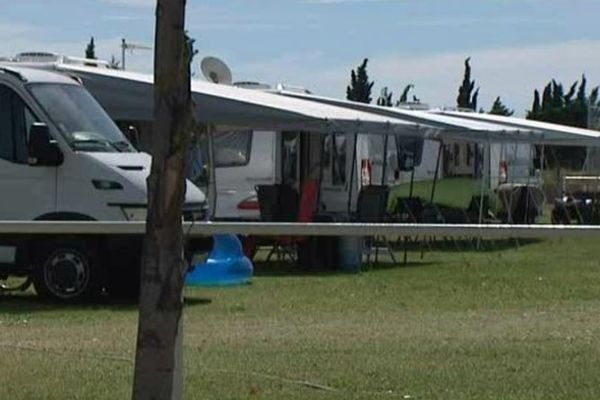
x: 216, y: 71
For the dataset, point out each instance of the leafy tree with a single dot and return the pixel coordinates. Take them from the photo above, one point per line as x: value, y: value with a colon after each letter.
x: 159, y: 351
x: 90, y: 50
x: 360, y: 87
x: 467, y: 98
x: 498, y: 108
x: 567, y: 109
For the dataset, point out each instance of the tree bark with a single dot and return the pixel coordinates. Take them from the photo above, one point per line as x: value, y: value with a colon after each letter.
x: 158, y: 362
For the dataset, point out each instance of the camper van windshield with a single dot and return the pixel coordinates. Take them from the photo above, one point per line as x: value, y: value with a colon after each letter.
x: 80, y: 118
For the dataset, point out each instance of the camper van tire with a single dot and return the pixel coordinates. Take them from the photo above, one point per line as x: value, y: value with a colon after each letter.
x: 67, y: 271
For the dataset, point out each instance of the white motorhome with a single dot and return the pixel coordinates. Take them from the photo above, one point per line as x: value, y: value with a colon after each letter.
x: 62, y: 158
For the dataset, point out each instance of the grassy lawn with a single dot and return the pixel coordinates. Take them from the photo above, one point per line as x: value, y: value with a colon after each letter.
x: 517, y: 323
x: 452, y: 192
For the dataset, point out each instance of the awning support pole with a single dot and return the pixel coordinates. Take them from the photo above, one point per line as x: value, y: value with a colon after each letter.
x: 322, y: 152
x: 384, y: 166
x: 352, y: 168
x: 484, y: 178
x: 412, y: 173
x: 212, y: 186
x: 437, y: 168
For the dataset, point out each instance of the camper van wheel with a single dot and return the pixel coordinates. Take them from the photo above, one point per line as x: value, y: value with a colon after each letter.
x: 66, y: 271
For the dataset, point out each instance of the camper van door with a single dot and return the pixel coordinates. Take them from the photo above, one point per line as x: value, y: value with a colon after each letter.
x: 28, y: 191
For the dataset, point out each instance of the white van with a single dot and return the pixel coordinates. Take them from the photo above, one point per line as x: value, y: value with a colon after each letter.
x: 62, y: 158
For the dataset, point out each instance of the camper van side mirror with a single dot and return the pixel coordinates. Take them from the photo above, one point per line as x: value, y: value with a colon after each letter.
x: 42, y: 150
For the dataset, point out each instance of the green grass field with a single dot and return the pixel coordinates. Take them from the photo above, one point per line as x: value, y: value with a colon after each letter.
x: 452, y: 192
x: 522, y: 322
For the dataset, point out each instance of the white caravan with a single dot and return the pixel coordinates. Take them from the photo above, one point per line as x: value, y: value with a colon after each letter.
x: 245, y: 158
x: 62, y: 158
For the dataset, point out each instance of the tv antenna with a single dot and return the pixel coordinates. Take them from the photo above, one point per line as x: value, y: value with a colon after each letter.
x: 216, y: 71
x: 130, y: 47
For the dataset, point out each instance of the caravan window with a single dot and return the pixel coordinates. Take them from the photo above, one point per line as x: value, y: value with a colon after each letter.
x: 232, y: 149
x: 334, y: 153
x: 339, y: 159
x: 290, y: 143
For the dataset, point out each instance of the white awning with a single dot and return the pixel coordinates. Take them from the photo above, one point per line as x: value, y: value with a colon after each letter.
x: 546, y: 132
x: 473, y: 126
x: 129, y: 96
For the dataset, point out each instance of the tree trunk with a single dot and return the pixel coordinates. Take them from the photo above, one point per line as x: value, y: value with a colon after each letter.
x: 158, y: 361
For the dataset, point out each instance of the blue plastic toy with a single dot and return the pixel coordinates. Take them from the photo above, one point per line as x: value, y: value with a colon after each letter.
x: 226, y: 265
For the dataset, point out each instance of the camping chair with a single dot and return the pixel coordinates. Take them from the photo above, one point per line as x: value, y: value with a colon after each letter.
x: 372, y: 208
x: 409, y: 210
x: 304, y: 213
x: 278, y: 203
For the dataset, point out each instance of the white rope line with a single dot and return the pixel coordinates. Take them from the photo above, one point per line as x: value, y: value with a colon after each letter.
x: 199, y: 229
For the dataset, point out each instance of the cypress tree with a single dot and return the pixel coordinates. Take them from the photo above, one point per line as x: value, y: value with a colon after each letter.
x: 466, y: 98
x: 557, y: 94
x: 571, y: 93
x: 90, y: 50
x: 581, y: 92
x: 593, y: 99
x: 547, y: 98
x: 535, y: 108
x: 360, y: 87
x: 500, y: 109
x: 567, y: 109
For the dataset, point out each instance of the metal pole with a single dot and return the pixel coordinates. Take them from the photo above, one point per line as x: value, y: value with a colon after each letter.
x: 212, y: 186
x: 384, y: 166
x: 484, y: 174
x: 437, y: 168
x: 486, y: 168
x: 412, y: 183
x: 123, y: 47
x: 322, y: 151
x: 412, y: 173
x: 352, y: 168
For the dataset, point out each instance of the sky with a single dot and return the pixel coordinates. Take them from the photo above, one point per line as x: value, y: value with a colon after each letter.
x: 515, y: 45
